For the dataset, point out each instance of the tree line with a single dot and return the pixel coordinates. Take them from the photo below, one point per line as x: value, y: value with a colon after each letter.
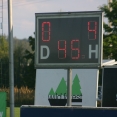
x: 24, y: 71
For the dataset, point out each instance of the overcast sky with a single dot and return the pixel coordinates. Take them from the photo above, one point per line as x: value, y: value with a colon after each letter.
x: 24, y: 12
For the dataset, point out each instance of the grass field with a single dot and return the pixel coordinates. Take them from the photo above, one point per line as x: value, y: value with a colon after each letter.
x: 16, y: 112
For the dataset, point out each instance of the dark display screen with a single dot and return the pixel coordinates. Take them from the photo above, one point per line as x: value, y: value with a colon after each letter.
x: 109, y: 98
x: 68, y: 40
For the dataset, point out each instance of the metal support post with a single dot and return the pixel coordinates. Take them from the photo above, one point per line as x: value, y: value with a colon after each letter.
x: 11, y: 60
x: 69, y: 86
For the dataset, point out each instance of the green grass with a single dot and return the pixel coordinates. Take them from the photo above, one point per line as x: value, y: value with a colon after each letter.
x: 16, y: 112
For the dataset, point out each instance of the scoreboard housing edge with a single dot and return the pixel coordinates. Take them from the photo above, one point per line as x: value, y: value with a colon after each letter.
x: 68, y: 39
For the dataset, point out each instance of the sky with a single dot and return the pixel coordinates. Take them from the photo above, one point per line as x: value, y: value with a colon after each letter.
x: 24, y: 12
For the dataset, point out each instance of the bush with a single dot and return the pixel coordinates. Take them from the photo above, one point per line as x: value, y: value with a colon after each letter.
x: 22, y: 96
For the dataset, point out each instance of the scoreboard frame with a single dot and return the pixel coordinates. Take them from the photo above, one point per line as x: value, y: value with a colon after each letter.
x: 58, y: 15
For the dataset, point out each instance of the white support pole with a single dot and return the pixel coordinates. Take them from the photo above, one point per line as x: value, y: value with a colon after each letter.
x: 11, y: 60
x: 69, y: 86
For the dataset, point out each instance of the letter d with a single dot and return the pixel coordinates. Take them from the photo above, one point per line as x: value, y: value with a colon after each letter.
x: 42, y: 53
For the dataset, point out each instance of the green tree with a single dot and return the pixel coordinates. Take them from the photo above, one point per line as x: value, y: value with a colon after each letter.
x: 110, y: 32
x: 51, y: 92
x: 29, y: 79
x: 3, y: 48
x: 76, y: 88
x: 20, y: 63
x: 4, y: 69
x: 62, y: 88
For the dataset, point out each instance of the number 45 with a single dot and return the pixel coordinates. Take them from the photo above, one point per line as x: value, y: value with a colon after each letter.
x: 75, y: 51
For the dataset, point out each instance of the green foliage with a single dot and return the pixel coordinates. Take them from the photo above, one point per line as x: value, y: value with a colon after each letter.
x: 3, y: 47
x: 4, y: 68
x: 20, y: 63
x: 29, y: 55
x: 110, y: 32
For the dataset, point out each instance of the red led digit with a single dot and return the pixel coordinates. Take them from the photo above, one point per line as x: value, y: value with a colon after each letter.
x: 75, y: 51
x: 61, y: 49
x: 45, y: 33
x: 92, y: 30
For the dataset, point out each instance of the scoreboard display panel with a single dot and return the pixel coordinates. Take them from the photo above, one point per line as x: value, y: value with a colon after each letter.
x: 68, y: 40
